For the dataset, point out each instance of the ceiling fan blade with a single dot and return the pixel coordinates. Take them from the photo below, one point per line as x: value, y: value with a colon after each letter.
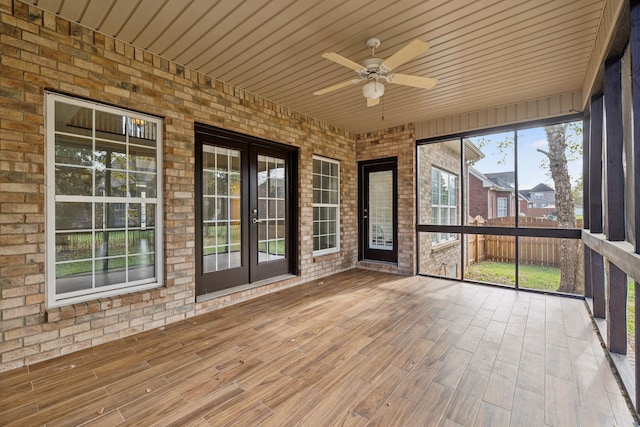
x: 336, y: 87
x: 405, y: 54
x: 339, y: 59
x: 372, y: 102
x: 414, y: 81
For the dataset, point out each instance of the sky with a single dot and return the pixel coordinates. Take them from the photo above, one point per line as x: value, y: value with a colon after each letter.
x: 531, y: 168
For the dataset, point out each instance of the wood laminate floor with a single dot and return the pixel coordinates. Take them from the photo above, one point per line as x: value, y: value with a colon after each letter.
x: 359, y: 348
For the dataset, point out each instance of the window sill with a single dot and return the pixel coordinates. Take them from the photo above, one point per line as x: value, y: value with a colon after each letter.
x: 326, y: 252
x: 435, y: 247
x: 72, y: 311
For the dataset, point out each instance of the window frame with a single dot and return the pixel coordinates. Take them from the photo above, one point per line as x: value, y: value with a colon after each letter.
x: 336, y: 206
x: 439, y: 238
x: 53, y: 298
x: 505, y: 209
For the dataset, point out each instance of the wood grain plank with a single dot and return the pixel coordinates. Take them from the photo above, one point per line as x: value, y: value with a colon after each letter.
x: 502, y: 384
x: 236, y: 407
x: 392, y: 413
x: 470, y: 338
x: 483, y: 358
x: 76, y: 410
x: 350, y: 419
x: 561, y: 409
x: 379, y: 391
x: 430, y: 406
x: 528, y: 408
x: 530, y: 373
x: 152, y: 374
x: 151, y: 407
x: 510, y: 349
x: 418, y: 379
x: 558, y: 362
x: 412, y: 354
x: 494, y: 416
x: 255, y: 415
x: 494, y: 332
x: 339, y: 399
x: 443, y: 345
x: 17, y: 413
x: 482, y: 318
x: 108, y: 419
x: 206, y: 404
x: 292, y: 409
x: 467, y: 398
x: 619, y: 407
x: 516, y: 324
x: 453, y: 368
x: 361, y: 348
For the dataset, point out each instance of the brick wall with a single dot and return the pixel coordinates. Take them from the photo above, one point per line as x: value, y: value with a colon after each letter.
x: 477, y: 198
x: 41, y: 51
x: 442, y: 259
x: 396, y: 142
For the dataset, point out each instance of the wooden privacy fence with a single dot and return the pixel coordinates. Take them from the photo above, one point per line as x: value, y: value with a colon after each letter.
x: 533, y: 250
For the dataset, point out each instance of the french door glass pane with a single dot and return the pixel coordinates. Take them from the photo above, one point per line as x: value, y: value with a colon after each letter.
x: 221, y: 222
x: 381, y: 210
x: 271, y: 202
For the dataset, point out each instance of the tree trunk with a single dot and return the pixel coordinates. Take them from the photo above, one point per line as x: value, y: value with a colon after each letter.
x: 570, y: 259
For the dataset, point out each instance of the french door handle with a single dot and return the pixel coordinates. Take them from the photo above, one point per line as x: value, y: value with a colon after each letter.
x: 256, y: 220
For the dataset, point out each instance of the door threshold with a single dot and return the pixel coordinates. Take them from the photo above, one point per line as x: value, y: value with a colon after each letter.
x: 240, y: 288
x: 375, y: 261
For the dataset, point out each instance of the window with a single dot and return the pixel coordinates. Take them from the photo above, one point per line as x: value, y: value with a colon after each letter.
x: 444, y: 203
x: 103, y: 201
x: 502, y: 207
x: 326, y: 205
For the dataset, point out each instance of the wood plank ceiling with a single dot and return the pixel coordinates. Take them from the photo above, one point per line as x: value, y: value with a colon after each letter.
x: 484, y: 53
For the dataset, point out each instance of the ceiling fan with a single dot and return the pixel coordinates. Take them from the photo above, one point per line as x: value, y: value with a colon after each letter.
x: 374, y: 71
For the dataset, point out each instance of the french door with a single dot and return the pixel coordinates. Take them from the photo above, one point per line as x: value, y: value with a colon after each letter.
x: 378, y: 211
x: 244, y: 205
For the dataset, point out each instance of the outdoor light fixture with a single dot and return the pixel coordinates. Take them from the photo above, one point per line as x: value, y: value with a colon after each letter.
x: 373, y: 89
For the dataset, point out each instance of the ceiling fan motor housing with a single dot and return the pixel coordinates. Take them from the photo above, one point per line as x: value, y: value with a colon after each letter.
x: 373, y: 70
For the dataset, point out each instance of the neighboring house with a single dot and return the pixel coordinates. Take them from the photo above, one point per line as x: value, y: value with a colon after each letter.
x: 541, y: 196
x: 492, y: 195
x: 542, y: 200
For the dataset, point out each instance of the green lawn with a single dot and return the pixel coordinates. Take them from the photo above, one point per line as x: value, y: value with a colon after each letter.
x: 276, y: 247
x: 85, y: 267
x: 531, y: 276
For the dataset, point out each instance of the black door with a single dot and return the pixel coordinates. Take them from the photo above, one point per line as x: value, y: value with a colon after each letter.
x: 378, y: 211
x: 244, y: 205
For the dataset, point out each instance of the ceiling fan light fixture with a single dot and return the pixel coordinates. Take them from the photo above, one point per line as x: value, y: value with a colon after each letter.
x: 373, y: 90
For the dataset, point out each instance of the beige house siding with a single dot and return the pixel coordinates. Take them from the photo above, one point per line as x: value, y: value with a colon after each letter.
x: 559, y: 105
x: 41, y: 51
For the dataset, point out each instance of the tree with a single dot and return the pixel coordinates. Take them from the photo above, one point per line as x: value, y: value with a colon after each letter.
x: 570, y: 259
x: 578, y: 189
